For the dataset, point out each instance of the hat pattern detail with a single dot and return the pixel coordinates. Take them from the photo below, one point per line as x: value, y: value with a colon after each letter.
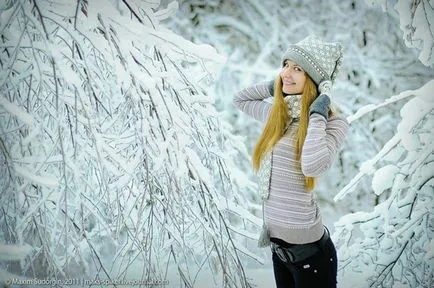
x: 320, y: 59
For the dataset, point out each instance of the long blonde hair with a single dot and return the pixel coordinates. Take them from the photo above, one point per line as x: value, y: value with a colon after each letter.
x: 275, y: 126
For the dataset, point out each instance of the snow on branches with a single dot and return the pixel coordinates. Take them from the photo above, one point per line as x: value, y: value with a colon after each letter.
x: 417, y: 23
x: 390, y: 245
x: 117, y: 164
x: 416, y: 18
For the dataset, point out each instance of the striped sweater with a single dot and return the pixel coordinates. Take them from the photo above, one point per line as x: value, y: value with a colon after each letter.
x: 291, y: 212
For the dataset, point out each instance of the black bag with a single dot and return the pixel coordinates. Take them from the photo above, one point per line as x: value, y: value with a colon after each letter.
x: 299, y: 252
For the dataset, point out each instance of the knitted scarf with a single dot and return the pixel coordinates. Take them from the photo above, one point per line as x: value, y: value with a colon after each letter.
x: 264, y: 173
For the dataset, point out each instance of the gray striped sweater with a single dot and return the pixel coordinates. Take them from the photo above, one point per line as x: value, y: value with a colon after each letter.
x: 291, y: 212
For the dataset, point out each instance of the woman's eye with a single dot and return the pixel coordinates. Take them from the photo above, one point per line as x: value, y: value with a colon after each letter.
x: 297, y: 69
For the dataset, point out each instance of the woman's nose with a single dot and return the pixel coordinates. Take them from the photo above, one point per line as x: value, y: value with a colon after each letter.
x: 286, y: 72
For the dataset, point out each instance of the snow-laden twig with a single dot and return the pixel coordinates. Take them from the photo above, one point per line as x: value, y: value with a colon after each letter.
x: 397, y: 225
x: 117, y: 160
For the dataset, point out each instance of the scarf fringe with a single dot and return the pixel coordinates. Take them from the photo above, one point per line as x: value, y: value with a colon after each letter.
x: 264, y: 237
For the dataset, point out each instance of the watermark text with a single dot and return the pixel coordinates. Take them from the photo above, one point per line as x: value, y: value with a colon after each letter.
x: 85, y: 282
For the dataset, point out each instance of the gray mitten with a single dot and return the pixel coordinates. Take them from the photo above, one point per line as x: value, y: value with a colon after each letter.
x: 320, y: 106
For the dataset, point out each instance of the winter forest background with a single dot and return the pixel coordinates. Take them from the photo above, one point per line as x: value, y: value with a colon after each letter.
x: 123, y: 156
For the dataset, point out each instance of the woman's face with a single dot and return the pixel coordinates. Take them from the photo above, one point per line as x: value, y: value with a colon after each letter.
x: 293, y: 78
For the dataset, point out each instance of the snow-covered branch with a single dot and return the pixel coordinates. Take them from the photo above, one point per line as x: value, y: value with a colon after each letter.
x: 388, y: 245
x: 117, y: 161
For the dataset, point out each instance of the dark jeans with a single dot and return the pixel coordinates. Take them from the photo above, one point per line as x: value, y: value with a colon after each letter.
x: 319, y: 270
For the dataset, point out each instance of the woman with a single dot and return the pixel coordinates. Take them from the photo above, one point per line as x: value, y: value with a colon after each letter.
x: 299, y: 141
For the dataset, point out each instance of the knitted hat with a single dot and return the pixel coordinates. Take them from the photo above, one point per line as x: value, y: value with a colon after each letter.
x: 321, y: 60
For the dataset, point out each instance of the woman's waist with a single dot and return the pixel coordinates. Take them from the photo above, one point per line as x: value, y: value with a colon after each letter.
x: 291, y: 211
x: 283, y: 179
x: 288, y: 191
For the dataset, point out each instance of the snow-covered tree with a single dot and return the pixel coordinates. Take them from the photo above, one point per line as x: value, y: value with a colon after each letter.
x: 392, y: 245
x: 416, y: 21
x: 115, y: 164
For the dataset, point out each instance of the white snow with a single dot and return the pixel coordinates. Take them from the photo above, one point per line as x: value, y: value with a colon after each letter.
x: 384, y: 178
x: 416, y: 23
x: 430, y: 251
x: 17, y: 111
x: 14, y: 252
x: 136, y: 164
x: 44, y: 180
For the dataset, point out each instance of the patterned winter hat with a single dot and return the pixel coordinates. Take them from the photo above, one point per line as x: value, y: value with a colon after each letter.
x: 320, y: 59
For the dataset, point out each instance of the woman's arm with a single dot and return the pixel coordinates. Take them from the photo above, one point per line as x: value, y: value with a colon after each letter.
x: 323, y: 140
x: 251, y: 101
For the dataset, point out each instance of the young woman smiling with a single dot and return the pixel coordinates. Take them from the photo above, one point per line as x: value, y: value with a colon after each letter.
x: 299, y: 141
